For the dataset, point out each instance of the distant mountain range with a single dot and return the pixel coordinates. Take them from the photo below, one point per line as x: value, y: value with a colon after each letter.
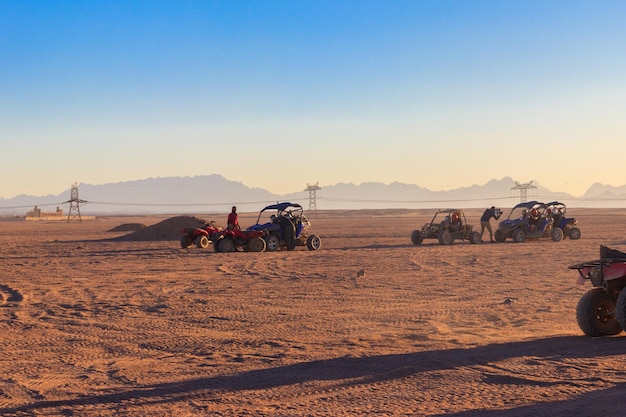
x: 214, y: 193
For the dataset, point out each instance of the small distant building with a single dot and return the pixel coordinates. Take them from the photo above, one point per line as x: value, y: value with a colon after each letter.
x: 37, y: 215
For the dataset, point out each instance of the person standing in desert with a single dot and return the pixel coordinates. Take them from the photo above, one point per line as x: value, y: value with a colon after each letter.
x: 485, y: 221
x: 233, y: 219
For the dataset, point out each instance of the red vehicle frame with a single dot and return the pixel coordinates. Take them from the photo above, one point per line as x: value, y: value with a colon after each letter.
x: 601, y: 311
x: 201, y: 236
x: 229, y: 240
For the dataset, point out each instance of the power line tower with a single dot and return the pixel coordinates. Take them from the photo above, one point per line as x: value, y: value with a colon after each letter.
x: 523, y: 190
x: 74, y: 203
x: 313, y: 189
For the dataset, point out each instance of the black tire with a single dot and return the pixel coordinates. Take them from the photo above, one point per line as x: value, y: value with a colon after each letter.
x: 226, y: 245
x: 416, y: 237
x: 475, y: 237
x: 518, y: 235
x: 256, y: 244
x: 445, y: 238
x: 596, y: 314
x: 216, y: 245
x: 185, y: 241
x: 272, y: 243
x: 500, y: 237
x: 313, y: 242
x: 620, y: 309
x: 202, y: 242
x: 556, y: 234
x: 574, y: 233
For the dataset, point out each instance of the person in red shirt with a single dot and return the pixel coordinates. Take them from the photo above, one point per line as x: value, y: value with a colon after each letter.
x: 233, y: 219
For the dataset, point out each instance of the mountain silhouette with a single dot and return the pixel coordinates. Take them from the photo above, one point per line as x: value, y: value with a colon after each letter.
x: 214, y: 193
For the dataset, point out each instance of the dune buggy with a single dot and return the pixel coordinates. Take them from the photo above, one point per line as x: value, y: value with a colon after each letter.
x: 567, y: 224
x: 229, y: 240
x: 285, y: 226
x: 201, y: 236
x: 528, y: 220
x: 446, y: 226
x: 602, y: 310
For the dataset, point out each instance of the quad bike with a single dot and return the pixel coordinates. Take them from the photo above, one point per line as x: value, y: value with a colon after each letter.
x: 446, y: 226
x: 528, y: 220
x: 229, y: 240
x: 201, y: 236
x: 568, y: 225
x: 602, y: 310
x: 286, y: 227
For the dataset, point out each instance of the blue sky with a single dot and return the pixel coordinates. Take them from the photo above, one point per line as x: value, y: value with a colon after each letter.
x: 278, y: 94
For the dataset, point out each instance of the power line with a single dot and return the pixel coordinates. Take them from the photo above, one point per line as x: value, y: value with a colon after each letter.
x: 266, y: 202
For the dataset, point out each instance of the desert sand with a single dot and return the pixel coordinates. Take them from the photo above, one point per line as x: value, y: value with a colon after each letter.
x: 94, y: 324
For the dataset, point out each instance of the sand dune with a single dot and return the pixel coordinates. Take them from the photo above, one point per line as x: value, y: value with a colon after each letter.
x: 94, y: 323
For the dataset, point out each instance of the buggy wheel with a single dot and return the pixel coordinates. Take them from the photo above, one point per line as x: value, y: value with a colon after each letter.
x: 595, y: 314
x: 475, y: 237
x: 445, y: 238
x: 574, y: 233
x: 500, y: 237
x: 216, y: 245
x: 202, y: 242
x: 226, y: 245
x: 185, y: 241
x: 257, y: 244
x: 416, y: 237
x: 556, y: 234
x: 313, y: 242
x: 272, y: 243
x: 518, y: 235
x: 620, y: 309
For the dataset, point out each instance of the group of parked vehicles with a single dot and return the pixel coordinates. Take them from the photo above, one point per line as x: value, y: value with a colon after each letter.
x: 600, y: 312
x: 527, y: 220
x: 278, y: 226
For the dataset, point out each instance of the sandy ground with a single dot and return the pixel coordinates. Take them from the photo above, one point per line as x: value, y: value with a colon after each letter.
x: 98, y: 327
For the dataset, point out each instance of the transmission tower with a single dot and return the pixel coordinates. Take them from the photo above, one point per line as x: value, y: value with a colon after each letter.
x: 313, y: 189
x: 74, y: 203
x: 523, y: 190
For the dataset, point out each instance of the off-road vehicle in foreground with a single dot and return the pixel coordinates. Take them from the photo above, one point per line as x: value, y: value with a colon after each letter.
x: 602, y: 310
x: 528, y: 220
x: 286, y: 226
x: 446, y: 226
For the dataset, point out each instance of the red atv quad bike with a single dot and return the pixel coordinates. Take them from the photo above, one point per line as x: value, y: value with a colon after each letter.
x: 201, y: 236
x: 602, y: 310
x: 229, y: 240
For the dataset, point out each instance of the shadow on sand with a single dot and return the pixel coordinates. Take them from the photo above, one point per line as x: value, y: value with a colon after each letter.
x: 376, y: 369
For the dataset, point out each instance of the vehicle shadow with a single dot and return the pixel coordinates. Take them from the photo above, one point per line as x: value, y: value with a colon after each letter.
x: 365, y: 370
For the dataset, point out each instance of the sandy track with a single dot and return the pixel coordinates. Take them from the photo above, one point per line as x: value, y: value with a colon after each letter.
x: 92, y: 326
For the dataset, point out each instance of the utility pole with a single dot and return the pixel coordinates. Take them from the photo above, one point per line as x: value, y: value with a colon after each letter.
x: 313, y: 189
x: 74, y: 203
x: 523, y: 190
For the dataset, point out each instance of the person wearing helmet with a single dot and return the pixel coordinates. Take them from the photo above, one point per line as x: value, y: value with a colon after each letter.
x: 455, y: 222
x: 233, y: 219
x: 533, y: 220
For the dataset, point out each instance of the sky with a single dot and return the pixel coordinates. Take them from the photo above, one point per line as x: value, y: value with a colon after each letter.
x: 279, y: 94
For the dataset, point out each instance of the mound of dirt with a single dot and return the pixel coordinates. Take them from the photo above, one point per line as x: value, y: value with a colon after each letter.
x: 128, y: 227
x: 168, y: 229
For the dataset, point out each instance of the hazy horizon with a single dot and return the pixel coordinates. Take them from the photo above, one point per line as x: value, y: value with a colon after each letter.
x: 277, y: 95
